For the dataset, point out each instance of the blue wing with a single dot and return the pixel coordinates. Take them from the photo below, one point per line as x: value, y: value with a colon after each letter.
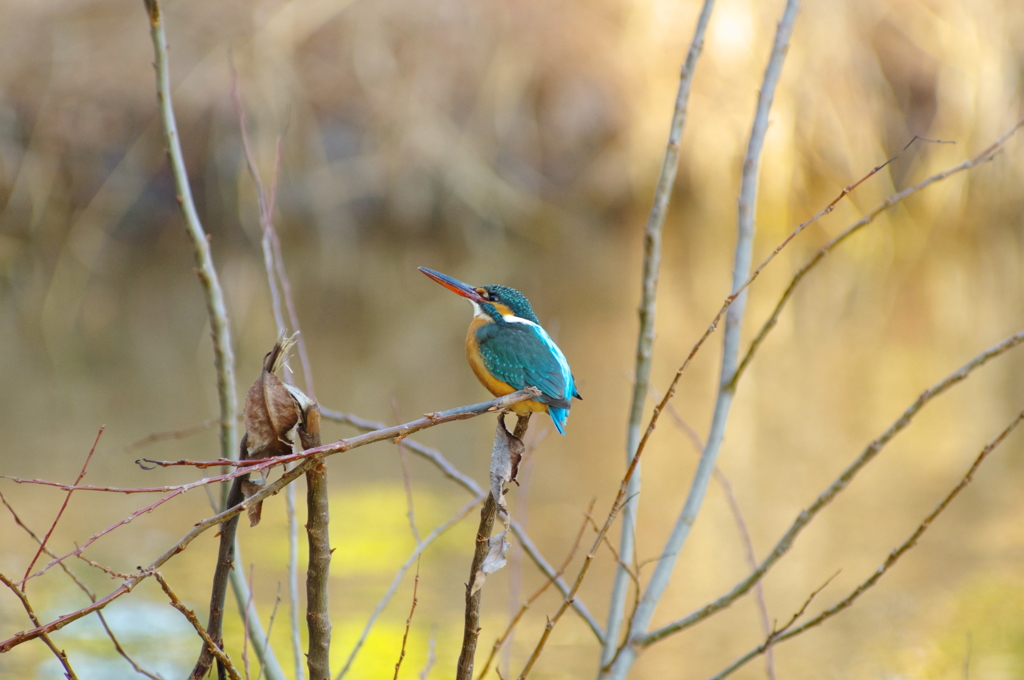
x: 524, y: 355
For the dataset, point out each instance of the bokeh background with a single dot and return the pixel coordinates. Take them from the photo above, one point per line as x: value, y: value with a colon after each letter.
x: 519, y: 142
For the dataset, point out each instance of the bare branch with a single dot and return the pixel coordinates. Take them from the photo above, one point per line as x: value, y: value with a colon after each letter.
x: 64, y: 505
x: 986, y: 155
x: 408, y: 621
x: 451, y: 472
x: 827, y: 496
x: 223, y: 356
x: 570, y: 596
x: 890, y: 561
x: 533, y: 598
x: 474, y: 592
x: 171, y: 435
x: 84, y: 588
x: 318, y: 615
x: 194, y: 620
x: 61, y: 655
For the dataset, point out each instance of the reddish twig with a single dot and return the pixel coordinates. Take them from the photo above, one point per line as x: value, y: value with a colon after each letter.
x: 470, y: 485
x: 533, y: 598
x: 408, y: 621
x: 64, y: 505
x: 85, y: 589
x: 984, y: 156
x: 617, y: 504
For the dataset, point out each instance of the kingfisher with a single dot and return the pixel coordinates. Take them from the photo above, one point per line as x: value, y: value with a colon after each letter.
x: 509, y: 351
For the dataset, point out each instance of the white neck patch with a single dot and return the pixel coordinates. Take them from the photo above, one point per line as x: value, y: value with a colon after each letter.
x: 516, y: 319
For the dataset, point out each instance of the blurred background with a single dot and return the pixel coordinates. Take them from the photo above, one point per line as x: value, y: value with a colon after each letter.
x: 519, y: 143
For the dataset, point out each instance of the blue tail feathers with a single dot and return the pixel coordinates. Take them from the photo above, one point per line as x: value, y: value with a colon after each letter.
x: 558, y: 417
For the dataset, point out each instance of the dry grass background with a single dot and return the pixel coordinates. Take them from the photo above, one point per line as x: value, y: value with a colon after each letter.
x: 519, y: 142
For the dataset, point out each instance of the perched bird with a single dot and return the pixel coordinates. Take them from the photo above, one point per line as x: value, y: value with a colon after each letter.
x: 509, y: 351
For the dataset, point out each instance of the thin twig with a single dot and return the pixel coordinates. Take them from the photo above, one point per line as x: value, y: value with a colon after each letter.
x: 406, y: 479
x: 64, y: 505
x: 270, y: 625
x: 61, y: 655
x: 308, y: 458
x: 413, y: 559
x: 467, y: 483
x: 647, y: 310
x: 890, y: 561
x: 293, y: 582
x: 171, y: 434
x: 245, y: 624
x: 533, y: 598
x: 408, y: 621
x: 827, y: 496
x: 983, y: 157
x: 741, y: 525
x: 194, y: 620
x: 273, y: 268
x: 432, y: 659
x: 84, y: 588
x: 617, y: 504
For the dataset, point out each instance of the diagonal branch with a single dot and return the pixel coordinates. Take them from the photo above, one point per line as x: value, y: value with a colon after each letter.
x: 890, y: 561
x: 64, y: 505
x: 467, y: 483
x: 85, y: 589
x: 61, y: 655
x: 986, y: 155
x: 306, y: 459
x: 827, y: 496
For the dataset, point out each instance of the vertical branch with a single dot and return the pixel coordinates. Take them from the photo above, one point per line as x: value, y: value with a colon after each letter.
x: 645, y: 342
x: 471, y: 632
x: 273, y: 262
x: 318, y: 571
x: 218, y: 594
x: 733, y: 324
x: 223, y: 356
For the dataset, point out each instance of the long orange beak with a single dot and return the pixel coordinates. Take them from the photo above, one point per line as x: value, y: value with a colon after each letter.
x: 454, y: 285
